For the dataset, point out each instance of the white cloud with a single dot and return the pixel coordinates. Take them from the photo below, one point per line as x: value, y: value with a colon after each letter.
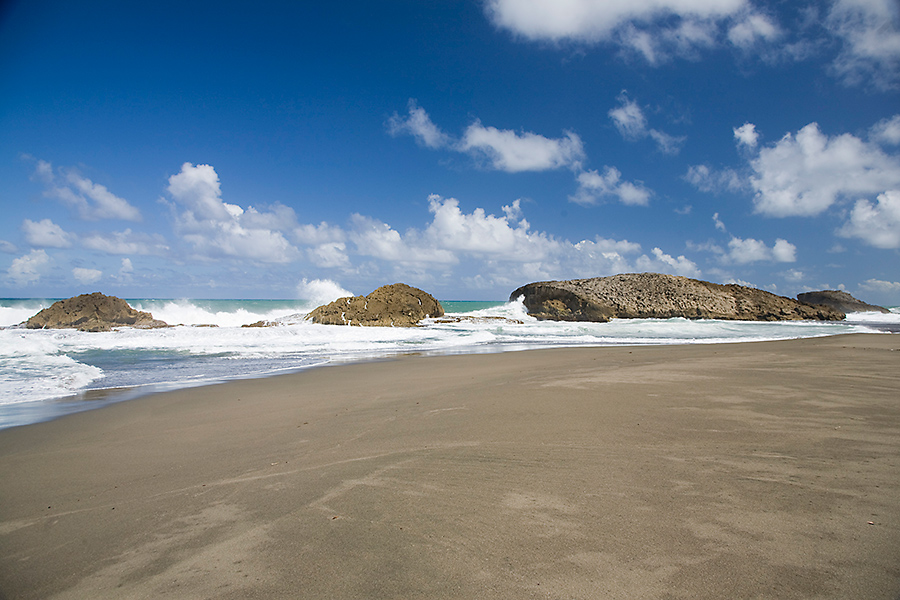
x: 593, y: 187
x: 482, y: 234
x: 875, y: 224
x: 375, y: 238
x: 870, y: 31
x: 29, y: 268
x: 746, y: 135
x: 419, y: 125
x: 631, y: 122
x: 513, y: 152
x: 329, y: 255
x: 7, y: 247
x: 322, y: 233
x: 886, y: 131
x: 718, y: 222
x: 216, y: 228
x: 86, y: 276
x: 804, y: 174
x: 751, y: 29
x: 126, y: 242
x: 743, y: 251
x: 90, y: 200
x: 500, y: 149
x: 629, y: 119
x: 881, y: 286
x: 707, y: 179
x: 665, y: 263
x: 46, y: 234
x: 596, y: 20
x: 656, y: 30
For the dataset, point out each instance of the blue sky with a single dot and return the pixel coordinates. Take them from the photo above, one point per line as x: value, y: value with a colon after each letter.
x: 219, y: 150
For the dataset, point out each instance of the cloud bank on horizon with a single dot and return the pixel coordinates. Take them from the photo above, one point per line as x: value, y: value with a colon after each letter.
x: 602, y: 137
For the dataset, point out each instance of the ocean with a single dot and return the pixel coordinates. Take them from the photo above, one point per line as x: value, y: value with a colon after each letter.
x: 48, y: 373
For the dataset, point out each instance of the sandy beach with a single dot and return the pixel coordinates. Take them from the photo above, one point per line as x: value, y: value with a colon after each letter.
x: 756, y: 470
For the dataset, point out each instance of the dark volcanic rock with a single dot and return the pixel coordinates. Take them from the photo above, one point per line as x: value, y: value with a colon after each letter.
x: 657, y: 296
x: 92, y: 312
x: 839, y: 300
x: 396, y: 305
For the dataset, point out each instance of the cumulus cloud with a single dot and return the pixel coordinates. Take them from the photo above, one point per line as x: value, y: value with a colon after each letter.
x: 217, y: 228
x: 91, y: 201
x: 499, y: 149
x: 46, y: 234
x: 126, y: 242
x: 876, y: 224
x: 890, y: 290
x: 804, y: 174
x: 503, y: 246
x: 886, y: 131
x: 746, y: 135
x: 653, y: 29
x: 870, y: 32
x: 751, y: 29
x: 595, y: 20
x: 665, y: 263
x: 593, y: 187
x: 8, y: 247
x: 29, y: 268
x: 86, y: 276
x: 708, y: 179
x: 514, y: 152
x: 631, y: 122
x: 419, y: 125
x: 743, y: 251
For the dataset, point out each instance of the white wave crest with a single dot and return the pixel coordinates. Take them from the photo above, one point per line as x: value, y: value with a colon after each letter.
x: 320, y: 291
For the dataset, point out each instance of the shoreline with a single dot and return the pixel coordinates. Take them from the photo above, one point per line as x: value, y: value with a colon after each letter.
x: 707, y: 471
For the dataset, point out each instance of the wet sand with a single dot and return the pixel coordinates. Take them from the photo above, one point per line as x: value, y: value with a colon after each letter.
x: 758, y: 470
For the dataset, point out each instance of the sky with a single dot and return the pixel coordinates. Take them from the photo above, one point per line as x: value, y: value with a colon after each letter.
x: 466, y: 147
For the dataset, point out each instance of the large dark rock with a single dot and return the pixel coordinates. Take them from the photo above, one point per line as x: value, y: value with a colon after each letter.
x: 657, y: 296
x: 839, y: 300
x: 92, y: 312
x: 396, y: 305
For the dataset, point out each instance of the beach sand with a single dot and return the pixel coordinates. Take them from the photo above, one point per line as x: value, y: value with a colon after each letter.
x: 757, y: 470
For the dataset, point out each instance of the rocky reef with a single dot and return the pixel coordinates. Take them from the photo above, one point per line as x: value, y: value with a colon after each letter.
x: 659, y: 296
x: 839, y: 300
x: 92, y: 312
x: 395, y: 305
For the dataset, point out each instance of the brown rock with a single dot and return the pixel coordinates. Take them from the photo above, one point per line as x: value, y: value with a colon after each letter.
x: 92, y: 312
x: 839, y: 300
x: 396, y: 305
x: 658, y: 296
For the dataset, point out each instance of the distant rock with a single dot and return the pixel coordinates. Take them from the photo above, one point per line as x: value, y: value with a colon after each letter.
x: 839, y: 300
x: 92, y: 312
x: 396, y: 305
x: 262, y: 323
x: 658, y: 296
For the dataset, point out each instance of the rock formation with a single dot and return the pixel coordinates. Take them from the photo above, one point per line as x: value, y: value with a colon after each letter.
x: 839, y: 300
x: 92, y: 312
x: 657, y: 296
x: 396, y: 305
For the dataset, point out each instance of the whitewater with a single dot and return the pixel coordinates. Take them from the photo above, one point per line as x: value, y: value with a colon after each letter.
x: 47, y: 373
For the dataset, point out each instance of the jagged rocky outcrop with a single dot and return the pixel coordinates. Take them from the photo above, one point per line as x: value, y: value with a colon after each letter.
x: 658, y: 296
x: 92, y: 312
x: 396, y: 305
x: 839, y: 300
